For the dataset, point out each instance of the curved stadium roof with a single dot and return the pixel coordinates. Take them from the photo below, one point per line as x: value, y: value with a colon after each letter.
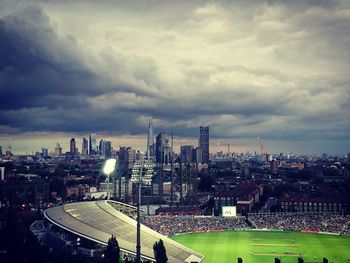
x: 99, y: 220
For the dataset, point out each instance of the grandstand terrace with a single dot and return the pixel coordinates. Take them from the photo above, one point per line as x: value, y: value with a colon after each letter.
x: 191, y: 224
x: 303, y: 222
x: 99, y: 220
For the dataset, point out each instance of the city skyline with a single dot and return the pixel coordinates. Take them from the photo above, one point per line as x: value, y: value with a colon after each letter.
x: 271, y: 69
x: 23, y: 145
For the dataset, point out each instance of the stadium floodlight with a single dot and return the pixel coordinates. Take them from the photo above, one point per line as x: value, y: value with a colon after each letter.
x: 138, y: 225
x: 108, y: 169
x: 109, y: 166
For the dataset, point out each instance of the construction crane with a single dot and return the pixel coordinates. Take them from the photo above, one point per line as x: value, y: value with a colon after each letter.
x: 221, y: 145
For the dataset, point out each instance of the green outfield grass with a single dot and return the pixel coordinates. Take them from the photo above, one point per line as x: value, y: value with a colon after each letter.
x: 263, y: 247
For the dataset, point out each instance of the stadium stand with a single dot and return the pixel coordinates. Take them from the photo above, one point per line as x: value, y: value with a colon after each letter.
x: 190, y: 224
x: 171, y: 225
x: 99, y: 220
x: 331, y: 223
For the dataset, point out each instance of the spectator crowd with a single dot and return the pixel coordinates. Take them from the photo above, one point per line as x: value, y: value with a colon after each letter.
x: 332, y: 223
x: 171, y: 225
x: 187, y: 224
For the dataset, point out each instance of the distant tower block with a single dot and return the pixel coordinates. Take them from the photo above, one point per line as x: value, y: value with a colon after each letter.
x: 73, y: 146
x: 85, y: 147
x: 204, y: 143
x: 92, y: 144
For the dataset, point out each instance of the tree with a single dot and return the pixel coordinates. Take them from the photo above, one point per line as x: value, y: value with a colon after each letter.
x: 160, y: 252
x: 300, y: 260
x: 112, y: 252
x: 325, y: 260
x: 239, y: 260
x: 277, y: 260
x: 33, y: 250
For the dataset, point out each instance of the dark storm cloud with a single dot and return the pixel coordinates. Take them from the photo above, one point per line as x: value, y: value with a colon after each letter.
x: 37, y: 68
x: 75, y: 121
x: 34, y: 65
x: 43, y: 84
x: 276, y: 69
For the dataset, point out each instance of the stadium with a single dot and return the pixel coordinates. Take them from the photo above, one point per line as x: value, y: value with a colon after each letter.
x: 262, y: 237
x: 256, y: 239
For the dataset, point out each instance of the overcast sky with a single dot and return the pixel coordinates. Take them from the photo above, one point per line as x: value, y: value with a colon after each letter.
x: 279, y: 70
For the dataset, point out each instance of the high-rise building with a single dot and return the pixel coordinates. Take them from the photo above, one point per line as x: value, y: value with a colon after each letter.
x: 197, y: 155
x: 108, y: 149
x: 150, y: 143
x: 73, y: 146
x: 186, y: 153
x: 204, y: 143
x: 92, y: 144
x: 190, y: 154
x: 160, y: 145
x: 126, y: 158
x: 105, y: 148
x: 102, y: 146
x: 163, y: 150
x: 44, y: 152
x: 58, y: 150
x: 85, y: 147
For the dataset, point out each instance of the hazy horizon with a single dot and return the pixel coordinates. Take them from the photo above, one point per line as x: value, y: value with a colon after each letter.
x: 28, y: 143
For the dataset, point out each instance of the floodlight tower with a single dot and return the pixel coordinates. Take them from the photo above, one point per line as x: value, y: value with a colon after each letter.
x: 172, y: 169
x: 138, y: 229
x: 108, y: 169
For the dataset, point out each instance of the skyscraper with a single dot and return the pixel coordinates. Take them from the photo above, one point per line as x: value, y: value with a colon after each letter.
x: 150, y: 143
x: 105, y: 148
x: 85, y: 147
x: 126, y: 158
x: 186, y: 153
x: 102, y: 146
x: 108, y: 149
x: 58, y: 150
x: 197, y: 155
x: 92, y: 144
x: 73, y: 146
x: 160, y: 143
x: 204, y: 143
x: 44, y: 152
